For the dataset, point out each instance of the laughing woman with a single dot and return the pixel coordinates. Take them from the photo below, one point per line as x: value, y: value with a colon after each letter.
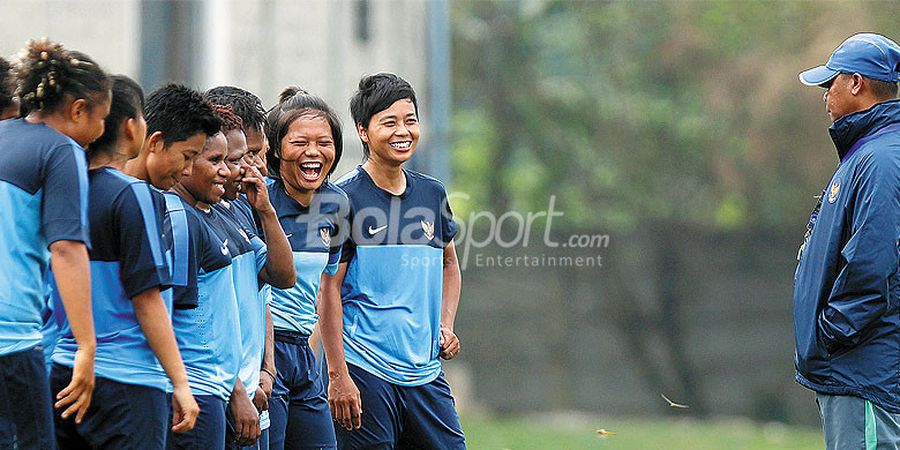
x: 306, y: 146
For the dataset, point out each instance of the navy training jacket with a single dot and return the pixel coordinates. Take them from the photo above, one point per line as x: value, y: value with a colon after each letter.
x: 847, y: 284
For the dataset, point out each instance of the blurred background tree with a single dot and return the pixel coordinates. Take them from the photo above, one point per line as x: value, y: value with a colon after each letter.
x: 681, y: 129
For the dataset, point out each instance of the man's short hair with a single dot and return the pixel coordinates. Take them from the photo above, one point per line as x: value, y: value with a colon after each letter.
x: 884, y: 90
x: 179, y: 112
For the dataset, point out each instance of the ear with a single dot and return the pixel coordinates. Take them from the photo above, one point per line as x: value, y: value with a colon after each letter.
x: 78, y: 110
x: 128, y: 129
x: 363, y: 134
x: 856, y: 83
x: 155, y: 143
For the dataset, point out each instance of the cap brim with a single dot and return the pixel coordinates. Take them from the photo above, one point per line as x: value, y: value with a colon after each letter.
x: 817, y: 76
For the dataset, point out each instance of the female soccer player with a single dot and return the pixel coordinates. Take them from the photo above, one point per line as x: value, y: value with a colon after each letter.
x: 384, y: 337
x: 209, y: 334
x: 43, y: 185
x: 306, y: 140
x: 128, y: 270
x: 272, y: 264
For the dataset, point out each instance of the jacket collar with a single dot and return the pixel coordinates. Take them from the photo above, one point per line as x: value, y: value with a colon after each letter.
x: 850, y: 128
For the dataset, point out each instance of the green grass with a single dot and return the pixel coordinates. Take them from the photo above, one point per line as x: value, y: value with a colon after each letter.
x: 580, y: 432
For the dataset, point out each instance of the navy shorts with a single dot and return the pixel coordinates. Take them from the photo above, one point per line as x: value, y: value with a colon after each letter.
x: 298, y: 410
x: 208, y: 432
x: 26, y: 415
x: 121, y: 416
x: 400, y: 417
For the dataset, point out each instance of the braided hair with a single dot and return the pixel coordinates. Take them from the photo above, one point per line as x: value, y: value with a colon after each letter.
x: 48, y: 73
x: 7, y: 85
x: 246, y: 105
x: 230, y: 120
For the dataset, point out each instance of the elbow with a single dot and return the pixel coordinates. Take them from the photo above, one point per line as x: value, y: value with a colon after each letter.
x: 285, y: 279
x: 68, y: 249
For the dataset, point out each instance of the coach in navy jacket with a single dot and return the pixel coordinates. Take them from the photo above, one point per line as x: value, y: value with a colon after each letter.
x: 847, y: 285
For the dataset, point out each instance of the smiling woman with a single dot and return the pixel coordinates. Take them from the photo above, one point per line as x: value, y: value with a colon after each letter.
x: 306, y: 145
x: 306, y: 142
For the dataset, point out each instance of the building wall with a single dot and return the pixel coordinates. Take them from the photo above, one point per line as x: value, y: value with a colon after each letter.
x: 260, y: 45
x: 112, y: 41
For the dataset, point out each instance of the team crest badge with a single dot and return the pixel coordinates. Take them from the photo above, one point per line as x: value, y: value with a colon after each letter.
x: 326, y: 236
x: 428, y: 229
x: 834, y: 192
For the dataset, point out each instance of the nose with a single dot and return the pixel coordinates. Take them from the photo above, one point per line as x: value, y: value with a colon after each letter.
x: 402, y: 130
x: 188, y: 168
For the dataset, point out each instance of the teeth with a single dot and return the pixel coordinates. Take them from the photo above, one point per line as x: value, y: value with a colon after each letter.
x: 311, y: 165
x: 401, y: 145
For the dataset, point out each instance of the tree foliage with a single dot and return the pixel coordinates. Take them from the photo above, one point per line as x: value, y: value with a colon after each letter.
x: 674, y: 112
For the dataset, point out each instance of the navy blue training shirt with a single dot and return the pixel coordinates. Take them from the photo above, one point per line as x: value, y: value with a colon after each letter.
x: 43, y: 196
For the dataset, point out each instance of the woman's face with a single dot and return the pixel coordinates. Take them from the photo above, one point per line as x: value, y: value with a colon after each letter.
x: 237, y: 148
x: 257, y: 146
x: 392, y: 134
x: 307, y: 153
x: 208, y: 176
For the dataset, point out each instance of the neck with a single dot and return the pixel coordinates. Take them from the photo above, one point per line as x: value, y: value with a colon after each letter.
x: 188, y: 197
x: 386, y: 176
x: 116, y: 158
x: 302, y: 196
x: 54, y: 121
x: 137, y: 167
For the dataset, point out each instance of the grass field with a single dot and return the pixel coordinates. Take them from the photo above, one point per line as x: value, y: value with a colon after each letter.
x: 573, y: 432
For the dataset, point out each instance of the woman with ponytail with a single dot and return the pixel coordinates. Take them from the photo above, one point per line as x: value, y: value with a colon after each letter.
x: 43, y: 187
x: 305, y: 142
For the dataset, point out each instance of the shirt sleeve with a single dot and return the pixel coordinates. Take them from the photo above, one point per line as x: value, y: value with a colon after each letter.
x: 448, y: 225
x: 260, y: 250
x: 869, y: 258
x: 344, y: 236
x: 65, y: 199
x: 185, y: 248
x: 138, y: 221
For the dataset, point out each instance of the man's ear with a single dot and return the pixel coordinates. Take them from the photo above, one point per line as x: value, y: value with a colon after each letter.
x: 363, y: 134
x: 856, y: 83
x: 155, y: 142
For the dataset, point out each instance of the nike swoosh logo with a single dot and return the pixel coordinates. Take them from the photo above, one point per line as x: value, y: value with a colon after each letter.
x: 374, y: 231
x: 225, y: 247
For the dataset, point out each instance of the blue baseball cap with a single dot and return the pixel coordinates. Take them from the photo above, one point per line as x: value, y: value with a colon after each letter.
x: 868, y: 54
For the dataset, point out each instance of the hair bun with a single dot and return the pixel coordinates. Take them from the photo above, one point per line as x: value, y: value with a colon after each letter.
x: 289, y: 92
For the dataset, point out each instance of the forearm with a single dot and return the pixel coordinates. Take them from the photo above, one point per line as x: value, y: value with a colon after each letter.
x: 279, y: 267
x: 72, y: 271
x: 268, y: 363
x: 153, y: 318
x: 451, y: 290
x: 331, y: 323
